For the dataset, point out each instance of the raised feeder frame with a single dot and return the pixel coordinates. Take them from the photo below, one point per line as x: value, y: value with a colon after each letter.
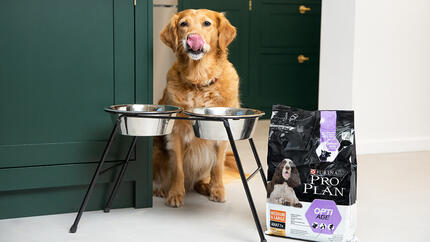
x: 124, y: 164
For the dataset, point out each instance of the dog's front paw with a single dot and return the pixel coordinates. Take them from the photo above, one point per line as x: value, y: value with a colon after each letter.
x: 158, y: 193
x: 202, y: 188
x: 217, y: 194
x: 175, y: 200
x: 298, y: 205
x: 286, y: 203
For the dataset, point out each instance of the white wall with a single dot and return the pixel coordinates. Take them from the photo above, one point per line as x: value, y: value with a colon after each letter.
x: 392, y: 75
x: 390, y: 72
x: 336, y: 58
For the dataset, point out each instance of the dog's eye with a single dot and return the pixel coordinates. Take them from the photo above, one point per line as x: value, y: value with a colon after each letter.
x: 184, y: 24
x: 206, y: 23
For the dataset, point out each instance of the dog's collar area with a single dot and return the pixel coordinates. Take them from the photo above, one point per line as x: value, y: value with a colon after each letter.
x: 208, y: 83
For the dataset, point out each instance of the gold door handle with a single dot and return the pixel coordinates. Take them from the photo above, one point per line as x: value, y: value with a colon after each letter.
x: 301, y: 59
x: 303, y: 9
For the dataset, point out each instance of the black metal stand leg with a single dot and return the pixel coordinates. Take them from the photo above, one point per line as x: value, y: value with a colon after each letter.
x: 120, y: 176
x: 244, y: 181
x: 257, y: 159
x: 93, y: 180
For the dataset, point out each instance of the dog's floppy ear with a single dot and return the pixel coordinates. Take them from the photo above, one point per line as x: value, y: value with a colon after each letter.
x: 168, y: 35
x: 294, y: 179
x: 226, y: 32
x: 277, y: 176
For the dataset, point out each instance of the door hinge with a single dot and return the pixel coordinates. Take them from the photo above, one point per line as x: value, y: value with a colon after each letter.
x: 134, y: 2
x: 250, y: 5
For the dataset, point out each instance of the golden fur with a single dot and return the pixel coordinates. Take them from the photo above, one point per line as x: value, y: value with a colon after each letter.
x: 182, y: 161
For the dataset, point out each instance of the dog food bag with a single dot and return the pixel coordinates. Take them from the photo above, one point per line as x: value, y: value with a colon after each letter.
x: 312, y: 175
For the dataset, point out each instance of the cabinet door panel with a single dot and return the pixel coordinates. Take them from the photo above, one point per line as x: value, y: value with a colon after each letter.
x: 280, y: 34
x: 61, y: 63
x: 283, y: 26
x: 284, y: 79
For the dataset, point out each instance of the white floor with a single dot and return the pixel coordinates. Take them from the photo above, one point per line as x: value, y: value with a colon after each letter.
x: 393, y: 206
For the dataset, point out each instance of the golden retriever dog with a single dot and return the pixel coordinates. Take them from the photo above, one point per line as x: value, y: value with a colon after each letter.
x: 202, y: 76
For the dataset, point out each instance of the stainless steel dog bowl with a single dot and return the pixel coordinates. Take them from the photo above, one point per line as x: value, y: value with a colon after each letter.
x: 136, y: 119
x: 242, y: 122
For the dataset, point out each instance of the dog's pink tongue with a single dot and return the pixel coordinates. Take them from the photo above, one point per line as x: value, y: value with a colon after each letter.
x: 195, y: 41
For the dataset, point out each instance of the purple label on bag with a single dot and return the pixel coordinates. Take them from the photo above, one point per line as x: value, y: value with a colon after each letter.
x: 323, y: 216
x: 328, y: 130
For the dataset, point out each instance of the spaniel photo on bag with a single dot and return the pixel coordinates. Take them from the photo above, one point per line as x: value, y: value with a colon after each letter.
x: 312, y: 175
x: 280, y: 189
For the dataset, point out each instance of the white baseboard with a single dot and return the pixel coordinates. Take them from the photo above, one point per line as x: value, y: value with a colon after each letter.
x: 393, y: 145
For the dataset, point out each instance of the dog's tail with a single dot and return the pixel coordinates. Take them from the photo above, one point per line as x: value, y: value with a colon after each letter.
x: 230, y: 162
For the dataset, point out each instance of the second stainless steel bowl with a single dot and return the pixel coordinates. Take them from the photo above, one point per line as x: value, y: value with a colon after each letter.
x: 242, y: 122
x: 136, y: 120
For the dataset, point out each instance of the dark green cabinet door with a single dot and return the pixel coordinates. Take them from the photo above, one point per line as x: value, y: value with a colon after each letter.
x: 280, y: 34
x: 61, y: 63
x: 280, y: 24
x: 238, y: 14
x: 283, y: 80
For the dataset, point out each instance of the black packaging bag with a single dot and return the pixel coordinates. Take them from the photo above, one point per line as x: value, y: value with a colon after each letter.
x: 312, y: 167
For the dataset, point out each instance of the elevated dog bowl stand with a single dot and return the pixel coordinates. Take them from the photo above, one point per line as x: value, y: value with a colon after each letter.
x: 124, y: 164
